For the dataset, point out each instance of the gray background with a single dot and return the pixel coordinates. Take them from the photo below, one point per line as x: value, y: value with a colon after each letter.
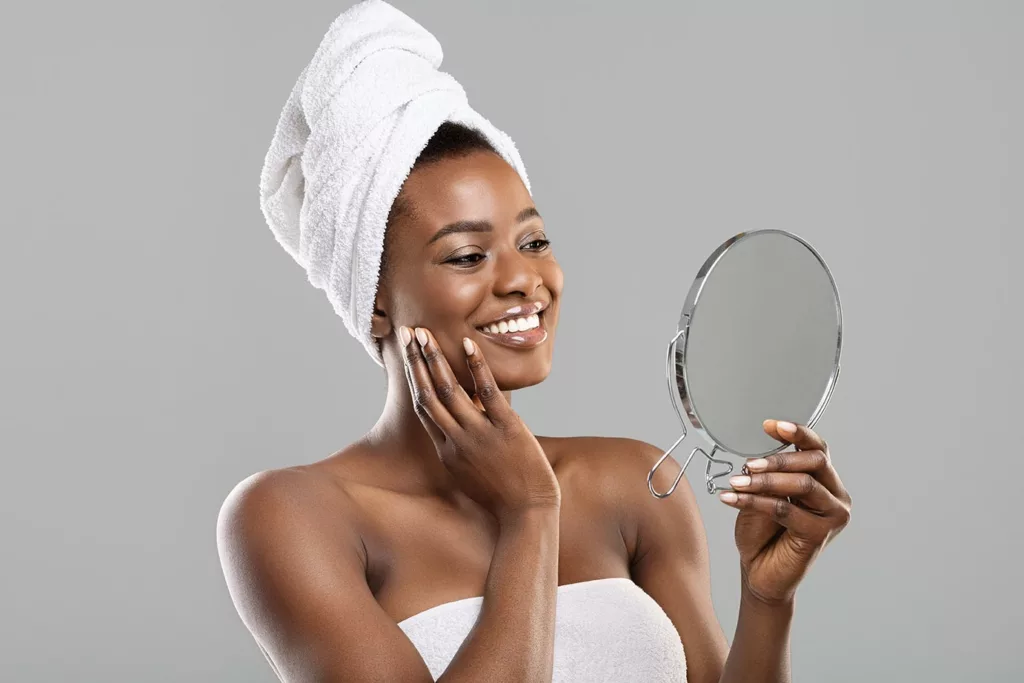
x: 158, y: 345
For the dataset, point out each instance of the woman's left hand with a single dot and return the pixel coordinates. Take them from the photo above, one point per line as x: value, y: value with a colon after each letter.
x: 791, y: 506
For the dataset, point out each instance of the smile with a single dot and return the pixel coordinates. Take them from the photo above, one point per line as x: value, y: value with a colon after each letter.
x: 525, y: 332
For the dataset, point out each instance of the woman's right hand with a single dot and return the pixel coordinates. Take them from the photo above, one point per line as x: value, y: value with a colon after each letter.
x: 492, y: 455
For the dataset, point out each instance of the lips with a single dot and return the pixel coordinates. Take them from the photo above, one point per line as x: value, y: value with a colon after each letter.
x: 525, y: 330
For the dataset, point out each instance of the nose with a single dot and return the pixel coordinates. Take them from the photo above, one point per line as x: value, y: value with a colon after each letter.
x: 516, y: 274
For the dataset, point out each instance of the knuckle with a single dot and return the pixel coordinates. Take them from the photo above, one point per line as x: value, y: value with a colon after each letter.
x: 781, y: 508
x: 487, y: 390
x: 781, y: 461
x: 430, y: 354
x: 844, y: 516
x: 806, y: 484
x: 446, y: 392
x: 476, y: 362
x: 422, y: 398
x: 511, y: 428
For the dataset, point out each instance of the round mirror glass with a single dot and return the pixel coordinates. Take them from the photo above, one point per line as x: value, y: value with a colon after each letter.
x: 762, y: 339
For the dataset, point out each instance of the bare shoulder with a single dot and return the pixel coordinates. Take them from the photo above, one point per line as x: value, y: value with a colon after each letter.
x: 614, y: 467
x: 295, y: 567
x: 272, y: 511
x: 280, y: 496
x: 612, y: 471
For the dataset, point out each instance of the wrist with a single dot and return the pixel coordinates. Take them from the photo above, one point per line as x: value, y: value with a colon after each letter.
x: 753, y: 603
x: 530, y: 514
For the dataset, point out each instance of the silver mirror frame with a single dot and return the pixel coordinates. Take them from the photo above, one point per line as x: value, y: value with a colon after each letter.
x: 676, y: 377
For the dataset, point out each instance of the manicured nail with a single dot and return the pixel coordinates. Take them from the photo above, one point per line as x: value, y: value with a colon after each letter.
x: 757, y: 464
x: 403, y: 334
x: 468, y: 345
x: 728, y: 497
x: 421, y: 336
x: 786, y: 426
x: 739, y: 481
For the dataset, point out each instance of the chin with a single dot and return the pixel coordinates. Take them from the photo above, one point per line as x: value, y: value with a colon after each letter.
x: 511, y: 373
x: 519, y: 381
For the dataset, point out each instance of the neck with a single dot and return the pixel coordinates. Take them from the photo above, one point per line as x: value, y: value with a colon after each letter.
x: 400, y: 433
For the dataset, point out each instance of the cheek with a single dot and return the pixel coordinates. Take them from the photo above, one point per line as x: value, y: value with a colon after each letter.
x: 552, y: 276
x: 452, y: 296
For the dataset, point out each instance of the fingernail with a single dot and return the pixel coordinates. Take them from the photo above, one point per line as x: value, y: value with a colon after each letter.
x: 786, y: 426
x: 421, y: 336
x: 757, y: 464
x: 468, y: 345
x: 739, y: 481
x: 728, y: 497
x: 403, y: 334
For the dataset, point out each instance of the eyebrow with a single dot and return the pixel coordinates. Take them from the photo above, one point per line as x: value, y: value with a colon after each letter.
x: 480, y: 226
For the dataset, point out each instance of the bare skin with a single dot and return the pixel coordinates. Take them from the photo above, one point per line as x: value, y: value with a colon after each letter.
x: 324, y: 560
x: 425, y: 550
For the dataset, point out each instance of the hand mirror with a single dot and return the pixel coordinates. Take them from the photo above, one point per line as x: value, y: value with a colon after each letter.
x: 759, y: 337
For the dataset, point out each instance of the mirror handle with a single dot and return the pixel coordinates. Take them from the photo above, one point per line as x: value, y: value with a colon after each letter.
x: 671, y: 392
x: 709, y: 478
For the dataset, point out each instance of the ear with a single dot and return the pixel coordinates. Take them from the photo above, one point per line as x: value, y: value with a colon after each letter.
x: 380, y: 322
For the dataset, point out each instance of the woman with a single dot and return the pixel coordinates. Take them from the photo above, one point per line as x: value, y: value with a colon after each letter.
x: 450, y: 503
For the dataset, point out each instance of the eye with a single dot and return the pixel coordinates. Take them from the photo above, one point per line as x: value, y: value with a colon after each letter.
x: 544, y: 244
x: 465, y: 260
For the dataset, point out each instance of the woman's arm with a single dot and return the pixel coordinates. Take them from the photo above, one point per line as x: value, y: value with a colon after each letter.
x: 514, y: 638
x: 295, y: 569
x: 761, y: 642
x: 670, y: 562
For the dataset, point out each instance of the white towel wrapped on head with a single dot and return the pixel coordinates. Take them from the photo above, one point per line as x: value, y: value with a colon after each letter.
x: 359, y: 115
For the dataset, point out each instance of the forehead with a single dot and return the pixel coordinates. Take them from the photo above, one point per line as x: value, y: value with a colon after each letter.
x: 477, y: 186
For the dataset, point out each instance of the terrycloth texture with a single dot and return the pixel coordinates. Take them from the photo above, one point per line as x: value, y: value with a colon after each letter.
x: 608, y: 630
x: 360, y: 113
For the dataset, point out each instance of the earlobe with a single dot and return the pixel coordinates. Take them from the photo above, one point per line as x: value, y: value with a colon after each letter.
x: 380, y: 324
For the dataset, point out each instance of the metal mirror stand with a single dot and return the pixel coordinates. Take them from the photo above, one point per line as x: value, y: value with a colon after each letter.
x: 709, y: 477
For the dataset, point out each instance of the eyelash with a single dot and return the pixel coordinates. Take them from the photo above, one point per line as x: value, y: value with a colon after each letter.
x: 545, y: 244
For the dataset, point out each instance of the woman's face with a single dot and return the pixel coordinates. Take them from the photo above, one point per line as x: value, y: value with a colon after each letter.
x: 473, y: 248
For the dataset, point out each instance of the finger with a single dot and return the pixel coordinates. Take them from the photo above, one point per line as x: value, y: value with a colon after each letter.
x: 816, y: 462
x: 798, y: 521
x: 433, y: 431
x: 449, y: 392
x: 424, y: 398
x: 801, y: 486
x: 491, y: 398
x: 801, y: 436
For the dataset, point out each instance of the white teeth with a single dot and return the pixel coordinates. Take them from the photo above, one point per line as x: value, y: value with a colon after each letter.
x: 516, y: 325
